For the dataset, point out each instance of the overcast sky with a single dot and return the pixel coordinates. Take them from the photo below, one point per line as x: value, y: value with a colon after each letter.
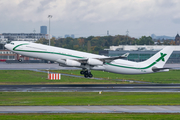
x: 91, y: 17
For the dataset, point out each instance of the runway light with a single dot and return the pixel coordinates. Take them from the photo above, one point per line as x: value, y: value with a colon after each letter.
x: 100, y: 92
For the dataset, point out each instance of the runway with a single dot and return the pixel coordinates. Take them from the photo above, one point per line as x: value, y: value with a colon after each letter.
x: 52, y: 66
x: 92, y: 88
x: 33, y: 66
x: 89, y: 109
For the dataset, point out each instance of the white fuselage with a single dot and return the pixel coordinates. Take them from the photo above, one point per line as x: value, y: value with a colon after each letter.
x: 60, y: 54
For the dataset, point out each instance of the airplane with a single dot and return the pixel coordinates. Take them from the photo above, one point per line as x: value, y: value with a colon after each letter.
x: 89, y: 61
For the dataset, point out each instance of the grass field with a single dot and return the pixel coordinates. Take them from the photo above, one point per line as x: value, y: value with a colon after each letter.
x: 115, y: 116
x: 30, y: 77
x: 14, y: 77
x: 164, y: 77
x: 88, y: 98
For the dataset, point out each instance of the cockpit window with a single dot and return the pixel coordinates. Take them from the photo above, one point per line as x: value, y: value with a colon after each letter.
x: 12, y: 43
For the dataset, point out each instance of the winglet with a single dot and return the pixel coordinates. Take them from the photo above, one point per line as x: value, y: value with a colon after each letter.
x: 125, y: 55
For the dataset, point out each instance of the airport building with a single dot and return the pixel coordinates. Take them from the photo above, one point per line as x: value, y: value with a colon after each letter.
x: 32, y: 37
x: 7, y: 55
x: 10, y: 57
x: 141, y: 52
x: 3, y: 40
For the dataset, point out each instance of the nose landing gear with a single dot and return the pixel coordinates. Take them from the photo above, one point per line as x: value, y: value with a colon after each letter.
x: 20, y: 60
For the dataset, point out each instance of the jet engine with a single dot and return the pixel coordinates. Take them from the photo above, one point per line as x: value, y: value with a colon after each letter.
x: 61, y: 61
x: 94, y: 62
x: 72, y: 63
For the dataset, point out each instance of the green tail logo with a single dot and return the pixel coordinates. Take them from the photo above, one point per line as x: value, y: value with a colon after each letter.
x: 161, y: 58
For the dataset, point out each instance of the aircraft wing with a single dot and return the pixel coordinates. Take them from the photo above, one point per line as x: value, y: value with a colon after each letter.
x: 105, y: 59
x: 114, y: 58
x: 89, y: 61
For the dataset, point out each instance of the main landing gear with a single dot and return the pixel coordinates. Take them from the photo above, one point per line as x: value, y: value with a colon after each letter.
x: 86, y: 73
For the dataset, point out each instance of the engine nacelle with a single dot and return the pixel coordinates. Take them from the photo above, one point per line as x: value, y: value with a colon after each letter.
x: 61, y: 61
x: 94, y: 62
x: 72, y: 63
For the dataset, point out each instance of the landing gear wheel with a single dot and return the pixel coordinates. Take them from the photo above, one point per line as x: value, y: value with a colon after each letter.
x: 86, y: 75
x: 90, y: 75
x: 86, y: 72
x: 20, y: 60
x: 82, y: 72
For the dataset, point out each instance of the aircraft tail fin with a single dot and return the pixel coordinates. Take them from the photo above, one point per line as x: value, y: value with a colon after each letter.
x: 159, y: 59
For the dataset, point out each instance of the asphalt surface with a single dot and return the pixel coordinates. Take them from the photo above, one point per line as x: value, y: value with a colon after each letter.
x: 92, y: 88
x: 54, y: 66
x: 32, y: 66
x: 89, y: 109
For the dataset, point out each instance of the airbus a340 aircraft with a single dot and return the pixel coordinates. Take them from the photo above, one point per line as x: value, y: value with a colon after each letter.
x: 88, y: 61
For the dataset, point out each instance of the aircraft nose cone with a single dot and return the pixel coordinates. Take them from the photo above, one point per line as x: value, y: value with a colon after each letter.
x: 7, y: 46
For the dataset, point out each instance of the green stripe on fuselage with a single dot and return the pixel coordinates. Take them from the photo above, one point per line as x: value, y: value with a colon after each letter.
x: 15, y: 49
x: 132, y: 67
x: 20, y: 45
x: 160, y: 58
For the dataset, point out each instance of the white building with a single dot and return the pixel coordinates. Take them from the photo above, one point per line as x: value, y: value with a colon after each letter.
x: 142, y: 47
x: 47, y: 36
x: 23, y: 36
x: 26, y: 39
x: 3, y: 40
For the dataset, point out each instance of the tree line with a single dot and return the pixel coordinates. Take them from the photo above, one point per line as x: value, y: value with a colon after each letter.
x: 94, y: 44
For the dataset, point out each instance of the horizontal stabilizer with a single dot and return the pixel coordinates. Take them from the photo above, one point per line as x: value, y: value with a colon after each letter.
x: 154, y: 69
